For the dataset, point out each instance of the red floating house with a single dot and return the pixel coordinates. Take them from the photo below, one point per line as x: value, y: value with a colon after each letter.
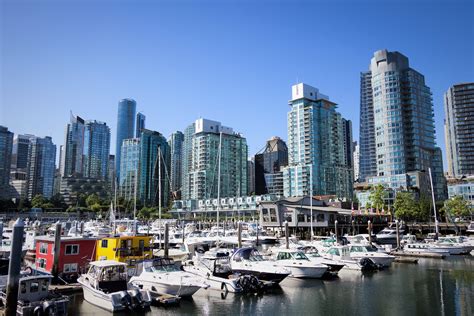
x: 74, y: 255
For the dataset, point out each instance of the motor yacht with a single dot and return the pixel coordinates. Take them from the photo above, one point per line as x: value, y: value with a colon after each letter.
x: 383, y: 260
x: 161, y: 276
x: 452, y: 247
x: 461, y: 241
x: 342, y: 255
x: 299, y: 265
x: 249, y: 261
x: 313, y: 254
x: 105, y: 285
x: 388, y: 235
x: 215, y: 269
x: 424, y: 248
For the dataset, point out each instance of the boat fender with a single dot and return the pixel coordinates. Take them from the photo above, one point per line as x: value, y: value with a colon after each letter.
x: 49, y: 308
x: 38, y: 311
x: 224, y: 287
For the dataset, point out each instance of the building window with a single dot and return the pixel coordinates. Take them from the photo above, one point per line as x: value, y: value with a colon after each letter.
x: 104, y: 243
x: 43, y: 248
x: 41, y: 263
x: 70, y: 267
x: 72, y: 249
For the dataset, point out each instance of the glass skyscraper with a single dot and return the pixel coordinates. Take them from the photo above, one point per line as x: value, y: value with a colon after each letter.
x: 459, y: 129
x: 201, y: 161
x: 125, y: 127
x: 268, y: 163
x: 21, y: 144
x: 129, y: 165
x: 139, y: 124
x: 175, y: 143
x: 72, y: 157
x: 41, y: 166
x: 154, y: 155
x: 6, y: 143
x: 398, y: 107
x: 96, y: 150
x: 317, y: 145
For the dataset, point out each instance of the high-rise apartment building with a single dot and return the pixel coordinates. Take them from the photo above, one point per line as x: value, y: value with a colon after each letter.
x: 111, y: 174
x: 153, y: 168
x: 72, y: 155
x: 129, y: 165
x: 459, y: 129
x: 269, y: 163
x: 211, y: 149
x: 6, y: 143
x: 175, y: 143
x: 96, y: 150
x: 41, y: 167
x: 397, y: 107
x: 125, y: 128
x: 367, y: 162
x: 317, y: 146
x: 139, y: 124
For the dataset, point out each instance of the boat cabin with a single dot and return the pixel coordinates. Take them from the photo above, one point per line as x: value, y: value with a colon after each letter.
x: 291, y: 255
x: 158, y: 265
x: 34, y: 288
x: 250, y: 254
x: 108, y: 276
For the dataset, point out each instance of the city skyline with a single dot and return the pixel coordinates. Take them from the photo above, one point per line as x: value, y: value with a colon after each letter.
x: 335, y: 72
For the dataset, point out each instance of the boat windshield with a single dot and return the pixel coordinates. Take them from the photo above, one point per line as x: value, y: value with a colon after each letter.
x: 299, y: 256
x: 358, y: 249
x: 255, y: 256
x: 162, y: 268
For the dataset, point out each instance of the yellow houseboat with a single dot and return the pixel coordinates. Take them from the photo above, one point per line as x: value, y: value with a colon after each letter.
x: 126, y: 249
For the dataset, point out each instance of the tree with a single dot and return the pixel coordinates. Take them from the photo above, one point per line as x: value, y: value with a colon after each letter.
x: 145, y: 213
x: 58, y: 201
x: 405, y: 206
x: 424, y: 205
x: 92, y: 199
x: 377, y: 197
x: 457, y: 207
x: 38, y: 201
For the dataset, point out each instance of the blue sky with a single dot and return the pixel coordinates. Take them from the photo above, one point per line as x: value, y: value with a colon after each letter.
x: 232, y: 61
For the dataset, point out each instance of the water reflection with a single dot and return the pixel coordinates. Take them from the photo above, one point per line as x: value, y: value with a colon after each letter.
x: 432, y: 287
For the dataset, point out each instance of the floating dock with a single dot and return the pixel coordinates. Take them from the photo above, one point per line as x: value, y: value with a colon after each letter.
x: 418, y: 254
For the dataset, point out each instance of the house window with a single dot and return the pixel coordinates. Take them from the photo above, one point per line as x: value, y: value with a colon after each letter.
x: 43, y: 248
x: 41, y: 263
x: 70, y: 268
x: 72, y: 249
x: 104, y: 243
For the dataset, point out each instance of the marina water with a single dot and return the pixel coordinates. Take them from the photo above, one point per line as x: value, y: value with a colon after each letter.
x: 431, y: 287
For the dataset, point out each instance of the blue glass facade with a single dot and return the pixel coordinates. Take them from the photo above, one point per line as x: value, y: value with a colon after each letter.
x: 129, y: 165
x: 96, y: 150
x: 154, y: 150
x: 6, y: 143
x: 176, y: 154
x: 41, y: 167
x: 139, y: 124
x: 125, y: 127
x: 73, y: 148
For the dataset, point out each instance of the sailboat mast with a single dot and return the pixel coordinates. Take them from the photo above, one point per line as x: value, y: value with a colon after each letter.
x: 135, y: 201
x: 159, y: 182
x: 219, y: 178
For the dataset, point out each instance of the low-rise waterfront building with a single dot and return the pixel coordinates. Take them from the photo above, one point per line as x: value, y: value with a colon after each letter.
x: 126, y: 249
x: 75, y: 253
